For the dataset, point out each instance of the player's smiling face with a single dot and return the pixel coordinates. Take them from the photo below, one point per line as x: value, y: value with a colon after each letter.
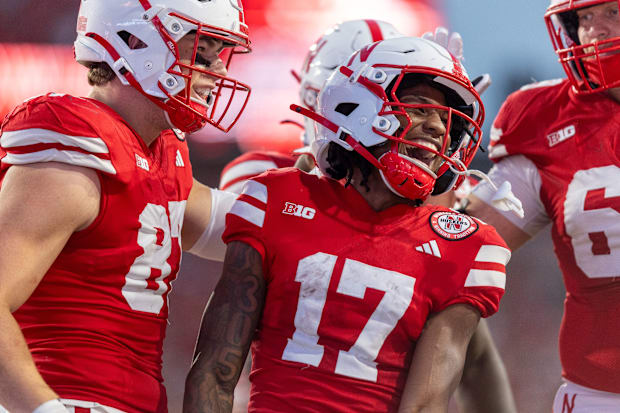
x: 598, y: 23
x: 428, y: 125
x: 207, y: 58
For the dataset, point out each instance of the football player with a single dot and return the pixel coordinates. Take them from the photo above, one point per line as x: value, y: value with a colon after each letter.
x: 94, y: 194
x: 558, y: 143
x: 355, y: 297
x: 484, y: 386
x: 323, y: 57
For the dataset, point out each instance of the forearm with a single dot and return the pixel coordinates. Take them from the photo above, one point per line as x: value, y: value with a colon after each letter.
x: 484, y: 387
x: 438, y: 360
x: 208, y: 389
x: 220, y: 354
x: 226, y: 332
x: 22, y: 389
x: 431, y: 398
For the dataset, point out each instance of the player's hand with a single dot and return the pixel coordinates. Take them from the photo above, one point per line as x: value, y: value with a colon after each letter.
x: 51, y: 406
x: 451, y: 41
x: 482, y: 83
x: 454, y: 43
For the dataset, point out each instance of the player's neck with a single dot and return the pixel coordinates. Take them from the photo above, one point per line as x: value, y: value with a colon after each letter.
x: 144, y: 117
x: 379, y: 197
x: 614, y: 94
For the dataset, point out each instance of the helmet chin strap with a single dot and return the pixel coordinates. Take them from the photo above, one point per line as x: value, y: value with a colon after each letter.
x: 404, y: 176
x: 181, y: 117
x: 504, y: 199
x: 611, y: 73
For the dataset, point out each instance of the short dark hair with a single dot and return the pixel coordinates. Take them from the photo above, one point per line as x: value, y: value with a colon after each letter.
x: 342, y: 164
x: 99, y: 73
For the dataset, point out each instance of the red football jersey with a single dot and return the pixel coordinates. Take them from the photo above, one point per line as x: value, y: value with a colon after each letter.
x: 95, y: 324
x: 349, y: 289
x: 250, y: 164
x: 574, y: 142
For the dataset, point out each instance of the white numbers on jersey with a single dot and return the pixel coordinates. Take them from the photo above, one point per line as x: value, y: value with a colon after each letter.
x: 145, y: 288
x: 592, y: 220
x: 314, y: 273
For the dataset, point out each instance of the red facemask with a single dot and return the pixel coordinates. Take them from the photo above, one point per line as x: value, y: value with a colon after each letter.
x: 603, y: 71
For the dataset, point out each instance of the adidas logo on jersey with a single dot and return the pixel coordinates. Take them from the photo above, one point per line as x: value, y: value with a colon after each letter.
x: 142, y: 163
x: 298, y: 210
x: 179, y: 160
x: 429, y: 248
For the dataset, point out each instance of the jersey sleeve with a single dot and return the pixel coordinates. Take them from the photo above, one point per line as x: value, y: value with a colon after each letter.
x: 251, y: 164
x: 484, y: 279
x: 53, y: 129
x: 512, y: 132
x: 245, y: 221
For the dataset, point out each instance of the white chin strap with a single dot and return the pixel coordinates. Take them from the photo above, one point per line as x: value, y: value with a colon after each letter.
x: 504, y: 199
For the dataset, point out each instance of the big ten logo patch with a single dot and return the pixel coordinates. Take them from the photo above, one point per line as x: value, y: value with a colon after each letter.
x: 452, y: 226
x: 561, y: 135
x: 298, y: 210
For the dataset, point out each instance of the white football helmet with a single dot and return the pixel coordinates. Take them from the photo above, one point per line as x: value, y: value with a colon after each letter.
x: 152, y: 65
x: 357, y: 109
x: 329, y: 52
x: 591, y: 67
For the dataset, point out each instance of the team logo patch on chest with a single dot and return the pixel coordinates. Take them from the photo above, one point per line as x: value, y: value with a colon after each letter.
x: 452, y: 226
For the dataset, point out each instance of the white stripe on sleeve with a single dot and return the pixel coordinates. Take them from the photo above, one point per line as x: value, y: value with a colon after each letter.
x: 248, y: 212
x: 493, y: 253
x: 485, y: 278
x: 33, y: 136
x: 235, y: 188
x: 68, y: 157
x: 247, y: 168
x: 256, y: 190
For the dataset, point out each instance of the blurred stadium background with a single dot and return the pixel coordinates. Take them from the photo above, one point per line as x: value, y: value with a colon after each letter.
x: 506, y: 39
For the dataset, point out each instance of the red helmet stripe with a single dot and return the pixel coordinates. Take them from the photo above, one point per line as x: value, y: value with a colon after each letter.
x: 315, y: 117
x: 241, y: 17
x: 375, y: 30
x: 103, y: 42
x: 145, y: 4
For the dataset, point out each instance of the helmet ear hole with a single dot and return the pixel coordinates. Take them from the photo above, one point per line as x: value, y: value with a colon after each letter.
x: 132, y: 41
x: 346, y: 108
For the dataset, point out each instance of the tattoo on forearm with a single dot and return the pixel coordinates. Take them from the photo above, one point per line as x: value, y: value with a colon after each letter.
x: 226, y: 332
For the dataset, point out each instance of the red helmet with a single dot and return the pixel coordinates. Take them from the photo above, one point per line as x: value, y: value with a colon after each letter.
x: 590, y: 67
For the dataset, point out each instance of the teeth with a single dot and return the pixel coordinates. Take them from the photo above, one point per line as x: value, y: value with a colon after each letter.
x: 203, y: 92
x: 424, y: 143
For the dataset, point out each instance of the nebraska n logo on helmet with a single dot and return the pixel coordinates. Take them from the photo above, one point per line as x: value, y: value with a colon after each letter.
x: 592, y: 66
x: 138, y: 39
x: 358, y: 107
